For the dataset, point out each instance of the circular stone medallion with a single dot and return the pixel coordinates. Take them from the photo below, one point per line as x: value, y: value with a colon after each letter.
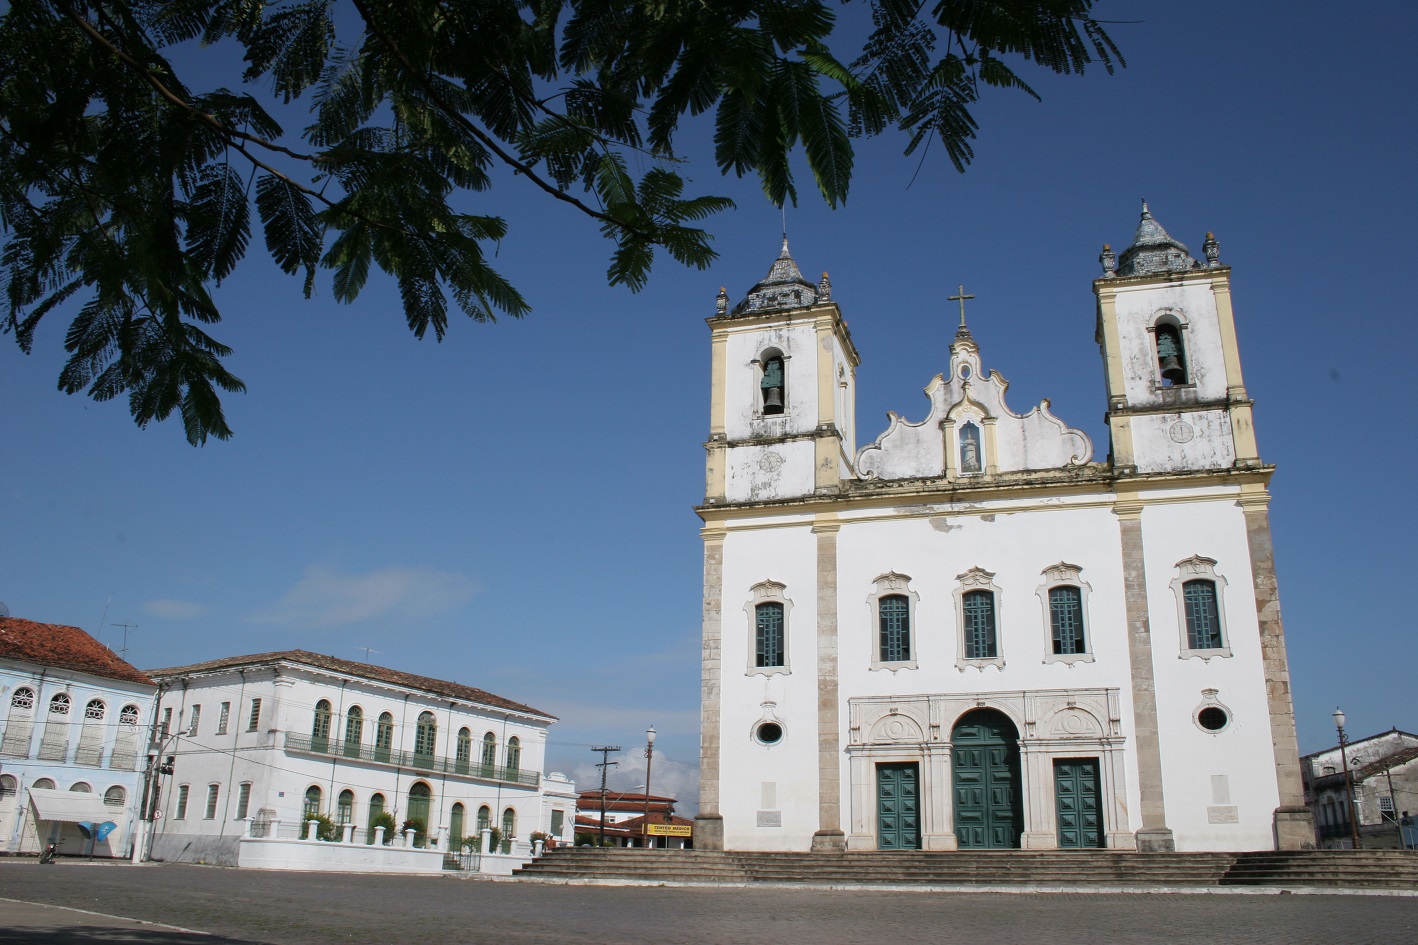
x: 1180, y: 432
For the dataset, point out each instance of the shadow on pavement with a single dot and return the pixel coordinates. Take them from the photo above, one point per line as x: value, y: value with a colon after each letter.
x: 92, y: 935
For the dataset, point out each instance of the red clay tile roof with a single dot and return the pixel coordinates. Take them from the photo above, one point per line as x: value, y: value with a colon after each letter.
x: 50, y: 644
x: 364, y: 670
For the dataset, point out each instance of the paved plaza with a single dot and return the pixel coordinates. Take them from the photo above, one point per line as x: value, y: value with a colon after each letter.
x: 245, y: 906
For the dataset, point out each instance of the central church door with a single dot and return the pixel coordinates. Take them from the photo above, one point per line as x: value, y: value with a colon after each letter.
x: 985, y: 752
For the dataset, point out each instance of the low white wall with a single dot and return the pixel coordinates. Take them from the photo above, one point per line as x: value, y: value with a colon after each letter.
x: 502, y: 864
x: 319, y: 855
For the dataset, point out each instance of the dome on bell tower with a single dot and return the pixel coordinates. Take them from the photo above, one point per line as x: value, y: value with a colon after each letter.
x: 784, y: 287
x: 1153, y: 250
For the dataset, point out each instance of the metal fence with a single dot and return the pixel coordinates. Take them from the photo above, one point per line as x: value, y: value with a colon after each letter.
x: 439, y: 764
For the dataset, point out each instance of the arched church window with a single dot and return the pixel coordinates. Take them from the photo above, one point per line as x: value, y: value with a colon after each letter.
x: 354, y: 731
x: 489, y: 757
x: 1203, y: 619
x: 773, y: 384
x: 514, y: 756
x: 1201, y: 608
x: 971, y: 454
x: 1171, y: 357
x: 383, y: 736
x: 465, y: 750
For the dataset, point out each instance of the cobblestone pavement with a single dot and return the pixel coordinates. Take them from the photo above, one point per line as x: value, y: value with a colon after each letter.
x: 324, y: 909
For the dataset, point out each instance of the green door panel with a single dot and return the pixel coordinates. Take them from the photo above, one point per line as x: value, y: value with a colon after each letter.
x: 1078, y: 801
x: 985, y: 756
x: 898, y: 824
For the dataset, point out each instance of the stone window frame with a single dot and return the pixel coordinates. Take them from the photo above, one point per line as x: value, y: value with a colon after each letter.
x: 1176, y: 318
x: 978, y: 579
x: 1064, y: 574
x: 1200, y: 568
x: 767, y: 592
x: 891, y: 584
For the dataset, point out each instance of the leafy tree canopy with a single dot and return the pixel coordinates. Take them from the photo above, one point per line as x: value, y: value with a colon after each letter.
x: 127, y: 191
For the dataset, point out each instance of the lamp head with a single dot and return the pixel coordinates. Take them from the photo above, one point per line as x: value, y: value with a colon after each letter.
x: 1338, y: 717
x: 650, y: 734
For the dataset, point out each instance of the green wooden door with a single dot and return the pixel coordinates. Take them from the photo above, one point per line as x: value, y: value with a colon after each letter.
x: 986, y: 780
x: 1078, y: 800
x: 898, y: 807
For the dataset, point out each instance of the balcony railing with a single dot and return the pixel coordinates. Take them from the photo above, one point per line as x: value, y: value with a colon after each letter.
x: 439, y: 764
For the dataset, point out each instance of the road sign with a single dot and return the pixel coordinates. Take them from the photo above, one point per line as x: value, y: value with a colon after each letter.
x: 669, y: 830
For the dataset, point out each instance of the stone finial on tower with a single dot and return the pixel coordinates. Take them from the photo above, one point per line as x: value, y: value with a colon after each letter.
x: 1109, y: 259
x: 721, y: 302
x: 1212, y: 249
x: 824, y: 289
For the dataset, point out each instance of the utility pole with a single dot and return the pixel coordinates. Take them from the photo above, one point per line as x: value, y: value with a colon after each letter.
x: 604, y: 764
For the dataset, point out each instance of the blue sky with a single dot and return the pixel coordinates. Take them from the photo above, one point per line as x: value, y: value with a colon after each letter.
x: 512, y: 508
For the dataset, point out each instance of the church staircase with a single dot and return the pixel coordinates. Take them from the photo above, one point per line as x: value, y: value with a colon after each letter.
x: 1032, y: 868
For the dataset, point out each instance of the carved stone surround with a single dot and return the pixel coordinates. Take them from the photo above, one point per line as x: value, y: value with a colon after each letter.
x: 1052, y: 723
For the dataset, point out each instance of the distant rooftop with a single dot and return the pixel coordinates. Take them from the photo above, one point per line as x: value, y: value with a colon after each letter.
x: 440, y: 687
x: 63, y: 647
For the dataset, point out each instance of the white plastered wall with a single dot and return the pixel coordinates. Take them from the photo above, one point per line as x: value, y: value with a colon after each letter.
x: 1198, y: 807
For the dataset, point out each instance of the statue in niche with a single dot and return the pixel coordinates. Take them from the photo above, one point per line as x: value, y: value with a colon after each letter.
x: 969, y: 448
x: 773, y: 386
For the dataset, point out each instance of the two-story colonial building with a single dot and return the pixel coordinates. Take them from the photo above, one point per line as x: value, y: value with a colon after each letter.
x: 275, y: 738
x: 74, y: 718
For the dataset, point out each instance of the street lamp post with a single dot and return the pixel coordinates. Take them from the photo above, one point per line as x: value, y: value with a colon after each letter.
x: 649, y: 760
x: 1348, y: 777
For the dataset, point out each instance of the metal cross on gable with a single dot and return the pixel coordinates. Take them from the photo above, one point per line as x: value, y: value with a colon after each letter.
x: 961, y: 299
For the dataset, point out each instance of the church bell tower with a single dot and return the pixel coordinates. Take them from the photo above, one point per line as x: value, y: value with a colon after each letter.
x: 1176, y: 398
x: 783, y: 391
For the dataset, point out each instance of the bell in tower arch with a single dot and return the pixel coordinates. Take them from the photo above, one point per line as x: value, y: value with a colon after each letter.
x: 773, y: 386
x: 1169, y: 355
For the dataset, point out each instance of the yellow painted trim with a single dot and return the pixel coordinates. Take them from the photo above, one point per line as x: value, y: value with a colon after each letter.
x: 716, y: 462
x: 826, y: 373
x: 1111, y: 340
x: 991, y: 446
x: 1121, y: 427
x: 719, y: 379
x: 1243, y: 432
x: 1230, y: 348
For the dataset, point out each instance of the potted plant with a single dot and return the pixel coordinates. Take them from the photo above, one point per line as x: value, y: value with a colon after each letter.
x: 386, y: 820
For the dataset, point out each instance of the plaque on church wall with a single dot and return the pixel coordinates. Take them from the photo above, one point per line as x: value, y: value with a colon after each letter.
x: 770, y: 818
x: 1223, y: 815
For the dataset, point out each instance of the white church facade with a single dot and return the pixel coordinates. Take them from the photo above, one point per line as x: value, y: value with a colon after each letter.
x: 975, y: 632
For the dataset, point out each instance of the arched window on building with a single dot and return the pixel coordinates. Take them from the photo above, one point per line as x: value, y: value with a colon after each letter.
x: 981, y: 642
x: 90, y: 750
x: 320, y: 728
x: 425, y: 738
x: 9, y: 787
x: 489, y: 758
x: 769, y: 640
x: 125, y: 745
x: 484, y: 819
x: 345, y: 808
x: 455, y: 829
x: 509, y: 824
x: 894, y: 617
x: 384, y: 737
x: 514, y: 756
x: 376, y: 808
x: 44, y: 784
x: 311, y: 807
x: 1203, y: 620
x: 464, y: 759
x: 420, y: 802
x: 81, y: 787
x: 773, y: 385
x: 19, y: 726
x: 115, y: 796
x: 354, y: 731
x: 54, y: 745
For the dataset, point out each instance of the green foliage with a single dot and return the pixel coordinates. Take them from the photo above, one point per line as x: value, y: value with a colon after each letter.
x: 386, y: 820
x: 126, y: 193
x: 328, y: 829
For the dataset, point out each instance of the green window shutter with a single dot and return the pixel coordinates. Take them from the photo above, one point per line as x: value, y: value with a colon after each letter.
x: 769, y: 649
x: 1203, y: 620
x: 979, y: 608
x: 1066, y: 620
x: 894, y: 613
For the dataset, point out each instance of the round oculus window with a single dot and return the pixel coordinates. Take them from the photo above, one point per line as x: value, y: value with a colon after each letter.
x: 1212, y: 718
x: 769, y: 733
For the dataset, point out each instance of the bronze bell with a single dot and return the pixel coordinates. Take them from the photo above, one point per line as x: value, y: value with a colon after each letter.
x: 773, y: 400
x: 1172, y: 370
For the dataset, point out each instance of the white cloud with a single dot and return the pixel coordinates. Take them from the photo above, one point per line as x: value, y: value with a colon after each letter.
x: 324, y: 598
x: 174, y: 609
